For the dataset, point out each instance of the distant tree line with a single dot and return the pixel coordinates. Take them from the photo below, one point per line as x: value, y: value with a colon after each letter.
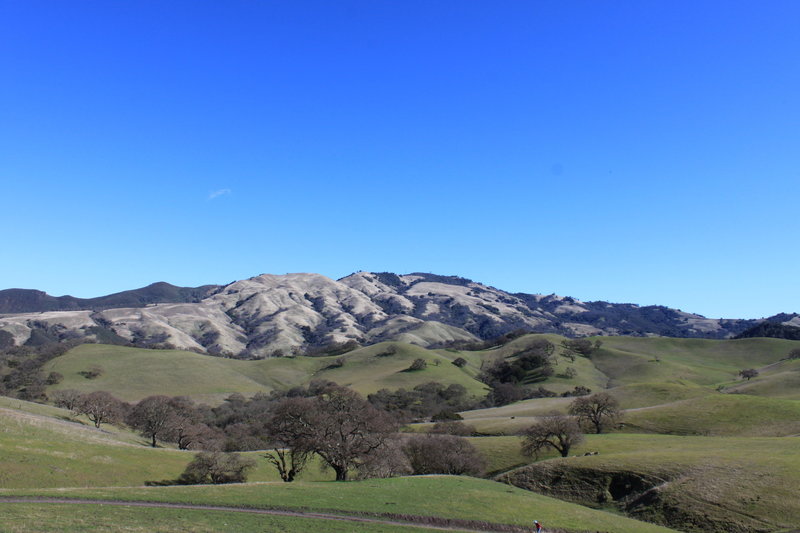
x: 771, y: 329
x: 349, y: 434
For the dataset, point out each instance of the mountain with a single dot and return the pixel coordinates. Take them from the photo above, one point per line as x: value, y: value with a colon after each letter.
x: 33, y: 301
x: 272, y: 315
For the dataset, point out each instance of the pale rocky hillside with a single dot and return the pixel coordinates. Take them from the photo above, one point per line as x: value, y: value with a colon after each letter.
x: 271, y: 315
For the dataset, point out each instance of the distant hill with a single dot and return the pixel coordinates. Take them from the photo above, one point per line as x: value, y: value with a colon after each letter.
x: 33, y: 301
x: 775, y: 330
x: 271, y: 315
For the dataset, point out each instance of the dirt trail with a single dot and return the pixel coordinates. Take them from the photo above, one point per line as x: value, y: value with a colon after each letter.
x: 420, y: 522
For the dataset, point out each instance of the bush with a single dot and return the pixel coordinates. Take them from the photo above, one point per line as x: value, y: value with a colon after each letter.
x: 217, y: 468
x: 443, y: 454
x: 54, y: 378
x: 92, y: 373
x: 460, y: 362
x: 418, y: 364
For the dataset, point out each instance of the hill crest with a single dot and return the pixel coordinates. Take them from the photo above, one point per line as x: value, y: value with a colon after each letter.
x: 269, y: 315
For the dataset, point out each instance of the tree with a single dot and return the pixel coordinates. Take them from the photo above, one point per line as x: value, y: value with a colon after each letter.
x: 185, y: 427
x: 216, y: 467
x: 418, y: 364
x: 285, y: 428
x: 599, y: 410
x: 748, y: 373
x: 341, y: 427
x: 151, y: 417
x: 100, y: 407
x: 66, y: 398
x: 794, y: 354
x: 556, y: 431
x: 443, y: 454
x: 583, y: 347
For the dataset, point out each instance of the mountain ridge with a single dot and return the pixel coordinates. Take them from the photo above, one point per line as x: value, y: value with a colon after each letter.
x: 273, y: 315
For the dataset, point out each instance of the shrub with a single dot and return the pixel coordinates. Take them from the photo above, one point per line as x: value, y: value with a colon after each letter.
x: 217, y: 468
x: 460, y: 362
x: 443, y: 454
x: 418, y: 364
x: 92, y: 373
x: 54, y: 378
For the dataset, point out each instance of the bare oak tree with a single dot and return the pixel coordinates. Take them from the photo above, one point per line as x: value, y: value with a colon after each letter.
x: 290, y: 436
x: 100, y: 407
x: 600, y: 411
x: 151, y: 417
x: 556, y: 431
x: 339, y: 426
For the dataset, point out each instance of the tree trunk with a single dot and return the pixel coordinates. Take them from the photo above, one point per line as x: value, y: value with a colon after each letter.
x: 153, y: 444
x: 341, y: 473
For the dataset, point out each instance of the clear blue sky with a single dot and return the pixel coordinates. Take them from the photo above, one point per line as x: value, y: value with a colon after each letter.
x: 644, y: 152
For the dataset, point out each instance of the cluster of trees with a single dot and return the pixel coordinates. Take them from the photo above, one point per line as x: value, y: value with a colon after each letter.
x: 579, y: 347
x: 348, y: 433
x: 507, y: 375
x: 775, y: 330
x: 596, y: 413
x: 21, y: 367
x: 428, y: 400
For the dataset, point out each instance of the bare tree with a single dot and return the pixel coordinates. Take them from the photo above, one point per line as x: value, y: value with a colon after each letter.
x: 339, y: 426
x: 556, y: 431
x: 151, y: 417
x: 216, y: 467
x: 66, y: 398
x: 100, y: 407
x: 290, y: 436
x: 600, y: 410
x: 186, y: 429
x: 443, y: 454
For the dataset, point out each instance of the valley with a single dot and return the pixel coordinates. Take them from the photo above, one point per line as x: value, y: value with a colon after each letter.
x: 699, y: 448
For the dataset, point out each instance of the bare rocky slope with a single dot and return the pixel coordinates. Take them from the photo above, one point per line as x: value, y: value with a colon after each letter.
x: 271, y: 315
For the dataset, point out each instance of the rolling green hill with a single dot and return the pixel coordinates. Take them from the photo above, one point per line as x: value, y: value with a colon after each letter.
x: 701, y: 448
x: 724, y: 484
x: 134, y: 373
x: 437, y: 496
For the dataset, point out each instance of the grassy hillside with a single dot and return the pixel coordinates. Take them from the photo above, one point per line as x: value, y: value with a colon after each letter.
x: 627, y: 360
x: 43, y: 446
x: 440, y: 496
x: 720, y: 414
x: 693, y: 483
x: 134, y: 373
x: 54, y: 517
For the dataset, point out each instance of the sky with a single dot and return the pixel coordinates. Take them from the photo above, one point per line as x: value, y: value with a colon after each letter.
x: 627, y: 151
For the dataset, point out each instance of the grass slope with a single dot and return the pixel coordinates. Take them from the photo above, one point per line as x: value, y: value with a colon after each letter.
x: 55, y: 450
x: 46, y: 517
x: 133, y: 373
x: 440, y: 496
x: 627, y: 360
x: 692, y: 483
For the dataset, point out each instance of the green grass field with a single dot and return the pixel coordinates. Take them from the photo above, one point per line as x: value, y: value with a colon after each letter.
x: 716, y: 451
x: 134, y: 373
x: 439, y: 496
x: 50, y: 517
x: 728, y: 480
x: 55, y: 450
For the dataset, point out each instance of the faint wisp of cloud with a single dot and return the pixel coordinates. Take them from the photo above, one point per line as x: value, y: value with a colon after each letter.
x: 217, y: 194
